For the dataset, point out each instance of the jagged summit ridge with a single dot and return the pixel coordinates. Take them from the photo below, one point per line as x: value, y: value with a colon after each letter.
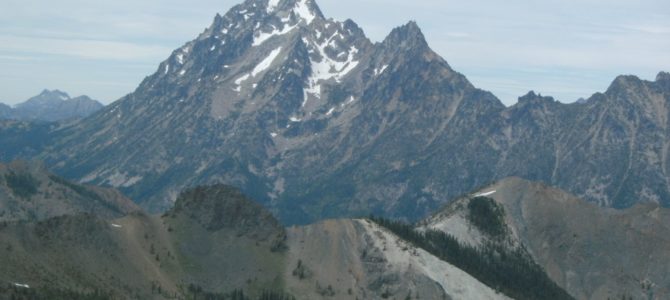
x: 315, y: 121
x: 300, y: 93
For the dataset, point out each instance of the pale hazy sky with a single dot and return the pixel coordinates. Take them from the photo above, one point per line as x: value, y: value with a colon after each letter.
x: 563, y: 48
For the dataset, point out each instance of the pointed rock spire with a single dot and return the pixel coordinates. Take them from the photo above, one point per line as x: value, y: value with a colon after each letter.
x: 408, y: 36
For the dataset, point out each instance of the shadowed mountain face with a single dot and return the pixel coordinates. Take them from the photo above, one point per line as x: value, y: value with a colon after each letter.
x: 308, y: 116
x: 592, y: 252
x: 51, y: 106
x: 5, y: 111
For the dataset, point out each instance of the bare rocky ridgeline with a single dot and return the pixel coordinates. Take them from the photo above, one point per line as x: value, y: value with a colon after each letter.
x: 311, y: 118
x: 593, y: 253
x: 29, y: 192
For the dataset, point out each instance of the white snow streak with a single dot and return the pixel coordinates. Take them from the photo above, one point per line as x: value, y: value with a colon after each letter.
x: 294, y: 119
x: 381, y: 70
x: 180, y: 58
x: 302, y: 9
x: 263, y: 65
x: 239, y: 81
x: 330, y: 111
x: 167, y: 68
x: 264, y: 36
x: 273, y: 134
x: 272, y: 5
x: 116, y: 225
x: 485, y: 194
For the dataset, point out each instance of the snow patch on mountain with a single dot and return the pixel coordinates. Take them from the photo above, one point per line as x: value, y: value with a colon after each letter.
x: 303, y: 10
x: 266, y: 62
x: 272, y: 5
x: 327, y: 68
x: 484, y: 194
x: 239, y: 81
x: 380, y: 70
x: 261, y: 37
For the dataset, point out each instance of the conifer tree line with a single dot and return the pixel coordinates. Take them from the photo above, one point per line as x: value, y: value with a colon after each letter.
x: 513, y: 273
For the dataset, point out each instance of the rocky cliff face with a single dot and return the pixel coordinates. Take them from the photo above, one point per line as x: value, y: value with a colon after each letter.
x: 307, y: 115
x: 592, y: 252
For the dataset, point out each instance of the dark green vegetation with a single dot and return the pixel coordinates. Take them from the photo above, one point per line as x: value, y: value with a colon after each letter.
x: 79, y: 189
x: 22, y: 185
x: 13, y: 292
x: 487, y: 215
x: 195, y: 292
x: 21, y: 139
x: 513, y: 273
x: 215, y: 241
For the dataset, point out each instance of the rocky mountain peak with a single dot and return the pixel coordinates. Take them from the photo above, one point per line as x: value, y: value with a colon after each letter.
x: 531, y: 98
x: 305, y: 9
x: 663, y: 79
x: 407, y: 37
x: 623, y: 82
x: 218, y: 207
x: 51, y: 106
x: 45, y: 97
x: 57, y: 93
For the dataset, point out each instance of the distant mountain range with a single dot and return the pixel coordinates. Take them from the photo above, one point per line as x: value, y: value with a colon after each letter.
x: 51, y: 106
x: 311, y: 118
